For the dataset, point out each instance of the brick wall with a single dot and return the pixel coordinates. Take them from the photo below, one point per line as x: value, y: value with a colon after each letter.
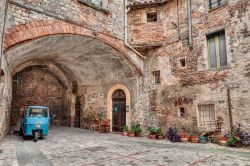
x: 38, y: 86
x: 195, y: 82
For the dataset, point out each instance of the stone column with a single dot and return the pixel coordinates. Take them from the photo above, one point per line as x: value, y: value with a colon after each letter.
x: 4, y: 97
x: 2, y: 16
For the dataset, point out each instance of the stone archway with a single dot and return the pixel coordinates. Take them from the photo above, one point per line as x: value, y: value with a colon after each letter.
x: 110, y: 103
x: 38, y: 29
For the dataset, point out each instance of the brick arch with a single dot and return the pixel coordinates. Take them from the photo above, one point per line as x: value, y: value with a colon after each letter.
x: 36, y: 29
x: 51, y: 67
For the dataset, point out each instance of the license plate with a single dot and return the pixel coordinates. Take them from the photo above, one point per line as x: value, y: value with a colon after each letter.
x: 38, y: 126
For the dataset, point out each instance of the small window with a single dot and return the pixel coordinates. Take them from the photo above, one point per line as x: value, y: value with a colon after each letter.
x: 94, y: 2
x: 216, y: 3
x: 183, y: 62
x: 152, y: 17
x: 217, y: 55
x: 182, y: 112
x: 156, y: 76
x: 207, y: 116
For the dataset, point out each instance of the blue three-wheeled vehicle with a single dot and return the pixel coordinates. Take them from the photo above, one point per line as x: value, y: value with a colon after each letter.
x: 35, y: 122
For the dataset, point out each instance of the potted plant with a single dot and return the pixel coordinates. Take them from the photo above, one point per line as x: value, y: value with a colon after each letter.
x: 184, y: 137
x: 222, y: 139
x: 172, y: 135
x: 203, y: 139
x: 160, y: 134
x: 194, y: 138
x: 137, y: 129
x: 233, y: 141
x: 152, y: 132
x: 125, y: 130
x: 131, y: 133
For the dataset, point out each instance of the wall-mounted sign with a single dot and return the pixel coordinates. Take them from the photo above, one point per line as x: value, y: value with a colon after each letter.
x: 115, y: 109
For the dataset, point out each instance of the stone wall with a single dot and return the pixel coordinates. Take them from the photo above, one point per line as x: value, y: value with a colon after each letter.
x: 195, y: 83
x: 5, y: 100
x: 5, y: 85
x: 71, y: 11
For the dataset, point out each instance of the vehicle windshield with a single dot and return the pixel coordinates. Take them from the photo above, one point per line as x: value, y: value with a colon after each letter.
x: 38, y: 112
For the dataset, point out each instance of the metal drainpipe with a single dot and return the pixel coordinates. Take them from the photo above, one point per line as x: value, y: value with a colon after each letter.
x: 189, y: 13
x: 3, y: 28
x: 126, y: 29
x: 178, y: 18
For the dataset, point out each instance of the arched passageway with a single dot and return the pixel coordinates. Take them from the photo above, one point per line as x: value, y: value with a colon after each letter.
x: 91, y: 63
x: 36, y: 85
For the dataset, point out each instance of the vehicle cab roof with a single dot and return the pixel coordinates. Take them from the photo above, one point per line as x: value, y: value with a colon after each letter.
x: 43, y: 107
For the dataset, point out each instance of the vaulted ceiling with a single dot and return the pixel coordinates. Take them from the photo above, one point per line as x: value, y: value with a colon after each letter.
x: 85, y: 59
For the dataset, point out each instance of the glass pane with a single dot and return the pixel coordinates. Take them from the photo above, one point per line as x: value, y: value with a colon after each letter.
x: 212, y: 53
x: 223, y: 2
x: 38, y: 112
x: 223, y: 53
x: 213, y: 3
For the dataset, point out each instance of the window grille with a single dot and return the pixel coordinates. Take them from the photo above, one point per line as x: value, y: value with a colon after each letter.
x: 156, y: 76
x: 217, y: 55
x: 207, y: 116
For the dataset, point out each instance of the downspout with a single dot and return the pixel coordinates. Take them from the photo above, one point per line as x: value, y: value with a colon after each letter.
x: 126, y: 10
x: 189, y: 13
x: 3, y: 31
x: 178, y: 19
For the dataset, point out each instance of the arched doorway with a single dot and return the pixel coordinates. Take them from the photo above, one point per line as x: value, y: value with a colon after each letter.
x: 119, y: 110
x: 77, y: 112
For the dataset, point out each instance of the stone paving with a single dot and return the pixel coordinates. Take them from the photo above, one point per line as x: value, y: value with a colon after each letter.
x: 72, y: 147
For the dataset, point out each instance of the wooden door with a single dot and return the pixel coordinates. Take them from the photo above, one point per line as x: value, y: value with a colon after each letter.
x: 77, y: 112
x: 119, y: 114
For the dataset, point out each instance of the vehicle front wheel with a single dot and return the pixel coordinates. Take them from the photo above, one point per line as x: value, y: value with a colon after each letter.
x: 36, y: 135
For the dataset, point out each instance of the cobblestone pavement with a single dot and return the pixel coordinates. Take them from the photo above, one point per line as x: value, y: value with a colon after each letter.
x: 72, y: 147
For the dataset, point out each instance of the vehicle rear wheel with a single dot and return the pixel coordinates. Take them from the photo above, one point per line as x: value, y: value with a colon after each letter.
x: 20, y: 132
x: 36, y: 135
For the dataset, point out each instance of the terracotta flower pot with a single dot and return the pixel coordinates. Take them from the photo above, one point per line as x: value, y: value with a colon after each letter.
x: 131, y: 134
x: 194, y: 139
x: 223, y: 141
x: 124, y: 133
x: 184, y: 139
x: 160, y: 137
x: 151, y: 136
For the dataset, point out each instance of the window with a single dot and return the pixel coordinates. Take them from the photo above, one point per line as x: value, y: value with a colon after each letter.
x: 207, y: 116
x: 156, y: 75
x: 182, y: 112
x: 216, y: 3
x: 217, y: 55
x: 94, y: 2
x: 38, y: 112
x: 182, y: 62
x: 152, y: 17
